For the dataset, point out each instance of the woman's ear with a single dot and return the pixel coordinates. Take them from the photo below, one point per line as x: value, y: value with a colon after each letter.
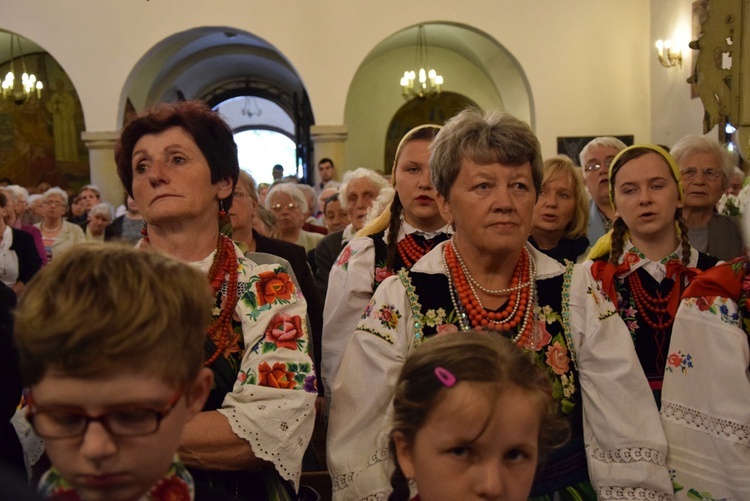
x: 225, y: 188
x: 197, y: 393
x: 403, y: 454
x: 444, y: 207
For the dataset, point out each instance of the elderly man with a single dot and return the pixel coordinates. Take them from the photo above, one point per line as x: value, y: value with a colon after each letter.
x: 595, y: 159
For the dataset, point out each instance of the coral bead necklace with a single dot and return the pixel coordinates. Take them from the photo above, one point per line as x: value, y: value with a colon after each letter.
x: 224, y: 268
x: 411, y: 250
x: 519, y: 308
x: 651, y: 306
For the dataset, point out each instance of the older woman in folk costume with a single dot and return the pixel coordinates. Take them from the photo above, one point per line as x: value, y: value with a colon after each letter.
x: 706, y: 397
x: 487, y: 172
x: 396, y: 239
x: 646, y: 260
x: 179, y: 162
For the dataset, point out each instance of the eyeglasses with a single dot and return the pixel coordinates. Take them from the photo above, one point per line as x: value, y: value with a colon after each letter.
x: 709, y: 173
x: 52, y: 203
x: 67, y: 422
x: 280, y: 207
x: 596, y: 166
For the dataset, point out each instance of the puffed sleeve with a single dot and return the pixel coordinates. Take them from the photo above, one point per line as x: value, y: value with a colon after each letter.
x: 357, y: 447
x: 272, y: 404
x: 706, y: 400
x: 625, y: 443
x: 349, y: 290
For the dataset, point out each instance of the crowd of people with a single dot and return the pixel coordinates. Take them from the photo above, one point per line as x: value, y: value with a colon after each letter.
x: 481, y: 323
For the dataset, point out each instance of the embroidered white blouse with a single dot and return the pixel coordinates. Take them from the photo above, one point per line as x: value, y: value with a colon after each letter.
x: 625, y: 443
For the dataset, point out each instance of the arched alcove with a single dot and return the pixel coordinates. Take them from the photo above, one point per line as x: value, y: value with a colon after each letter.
x: 40, y: 136
x: 217, y: 64
x: 473, y: 64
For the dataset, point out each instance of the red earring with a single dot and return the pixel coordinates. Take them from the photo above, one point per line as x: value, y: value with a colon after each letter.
x: 222, y: 212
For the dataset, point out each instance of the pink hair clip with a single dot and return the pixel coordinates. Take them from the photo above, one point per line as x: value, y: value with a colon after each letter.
x: 445, y: 376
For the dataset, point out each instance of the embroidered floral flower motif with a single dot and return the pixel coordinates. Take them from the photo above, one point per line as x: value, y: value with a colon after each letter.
x: 630, y: 312
x: 446, y: 328
x: 273, y: 286
x: 311, y: 384
x: 434, y: 317
x: 344, y: 257
x: 631, y: 258
x: 368, y: 311
x: 539, y: 337
x: 172, y: 489
x: 388, y: 316
x: 705, y: 303
x: 632, y: 326
x: 681, y: 361
x: 557, y: 358
x: 568, y: 385
x: 277, y: 376
x: 382, y: 273
x: 284, y: 330
x: 241, y: 377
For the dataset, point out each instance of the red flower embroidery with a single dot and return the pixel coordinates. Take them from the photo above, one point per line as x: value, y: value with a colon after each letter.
x: 345, y: 255
x: 273, y: 286
x: 631, y: 258
x: 557, y: 358
x: 284, y: 330
x: 382, y: 273
x: 171, y: 489
x: 276, y: 377
x: 446, y: 328
x: 241, y: 377
x: 704, y: 303
x: 539, y: 338
x: 675, y: 360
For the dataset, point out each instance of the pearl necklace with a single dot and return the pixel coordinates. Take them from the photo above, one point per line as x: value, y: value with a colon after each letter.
x: 50, y: 230
x: 494, y: 292
x: 478, y: 316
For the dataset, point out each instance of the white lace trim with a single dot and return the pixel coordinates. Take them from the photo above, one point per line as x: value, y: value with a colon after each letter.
x: 696, y: 420
x: 31, y: 443
x: 604, y: 493
x: 630, y: 455
x: 346, y: 480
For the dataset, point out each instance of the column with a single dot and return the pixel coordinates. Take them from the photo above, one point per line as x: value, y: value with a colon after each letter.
x: 102, y: 165
x: 329, y: 142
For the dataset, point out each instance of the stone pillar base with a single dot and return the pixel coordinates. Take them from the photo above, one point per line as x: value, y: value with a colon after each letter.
x: 101, y: 147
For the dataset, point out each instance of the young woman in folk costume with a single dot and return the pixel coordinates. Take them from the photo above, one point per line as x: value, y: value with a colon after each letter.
x: 645, y: 262
x: 403, y: 233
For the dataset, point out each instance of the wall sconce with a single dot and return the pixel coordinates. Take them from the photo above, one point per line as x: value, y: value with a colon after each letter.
x: 667, y: 56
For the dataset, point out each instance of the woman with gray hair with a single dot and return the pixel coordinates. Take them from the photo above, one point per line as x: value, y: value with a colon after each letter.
x: 58, y: 235
x: 288, y: 204
x: 487, y: 171
x: 706, y: 169
x: 99, y: 220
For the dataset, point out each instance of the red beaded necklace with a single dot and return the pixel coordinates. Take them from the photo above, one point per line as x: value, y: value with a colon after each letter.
x: 411, y: 251
x: 224, y: 268
x: 518, y: 308
x: 648, y: 305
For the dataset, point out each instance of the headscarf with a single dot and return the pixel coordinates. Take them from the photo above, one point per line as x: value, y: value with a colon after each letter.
x: 381, y: 222
x: 603, y: 246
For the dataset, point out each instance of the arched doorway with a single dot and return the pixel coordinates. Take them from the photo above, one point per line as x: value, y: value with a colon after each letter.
x: 217, y: 65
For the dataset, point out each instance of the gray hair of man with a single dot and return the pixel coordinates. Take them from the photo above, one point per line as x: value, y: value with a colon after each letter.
x: 603, y: 141
x: 497, y: 137
x: 102, y: 209
x: 360, y: 173
x: 695, y: 144
x: 310, y: 196
x: 291, y: 190
x: 55, y: 191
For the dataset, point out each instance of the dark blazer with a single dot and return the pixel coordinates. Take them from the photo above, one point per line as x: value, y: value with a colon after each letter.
x: 724, y: 237
x: 325, y: 255
x: 29, y: 261
x: 296, y: 256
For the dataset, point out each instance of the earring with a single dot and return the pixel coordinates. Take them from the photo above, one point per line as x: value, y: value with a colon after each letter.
x: 222, y: 212
x: 412, y: 484
x: 144, y: 230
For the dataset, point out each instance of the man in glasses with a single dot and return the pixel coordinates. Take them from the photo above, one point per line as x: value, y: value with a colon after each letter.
x: 111, y: 347
x: 595, y: 159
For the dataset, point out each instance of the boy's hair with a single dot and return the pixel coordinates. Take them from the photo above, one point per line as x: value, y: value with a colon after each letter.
x: 478, y: 357
x: 106, y: 307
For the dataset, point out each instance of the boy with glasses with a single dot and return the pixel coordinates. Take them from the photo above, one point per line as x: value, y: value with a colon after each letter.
x: 111, y: 348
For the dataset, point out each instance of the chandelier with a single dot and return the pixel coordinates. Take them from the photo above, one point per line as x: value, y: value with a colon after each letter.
x: 29, y: 84
x: 422, y: 82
